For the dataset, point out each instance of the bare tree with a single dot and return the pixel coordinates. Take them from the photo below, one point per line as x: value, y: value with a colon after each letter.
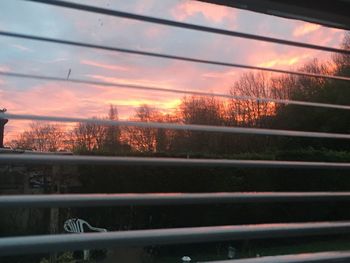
x: 143, y: 139
x: 202, y: 110
x: 91, y: 136
x: 88, y: 137
x: 41, y: 137
x: 251, y: 112
x: 205, y: 111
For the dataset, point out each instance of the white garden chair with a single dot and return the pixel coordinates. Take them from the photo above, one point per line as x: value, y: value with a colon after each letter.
x: 76, y: 225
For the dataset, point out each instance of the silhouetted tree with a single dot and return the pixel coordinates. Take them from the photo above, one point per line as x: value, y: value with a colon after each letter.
x: 88, y: 137
x: 251, y: 113
x: 143, y: 139
x: 41, y: 137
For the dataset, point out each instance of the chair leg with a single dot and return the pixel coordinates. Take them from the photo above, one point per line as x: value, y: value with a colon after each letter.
x: 86, y: 254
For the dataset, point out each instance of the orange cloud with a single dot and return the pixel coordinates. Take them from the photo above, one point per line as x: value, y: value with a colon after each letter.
x: 305, y: 29
x: 166, y: 104
x: 288, y: 61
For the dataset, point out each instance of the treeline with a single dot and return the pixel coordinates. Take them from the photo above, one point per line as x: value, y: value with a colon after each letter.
x: 92, y: 138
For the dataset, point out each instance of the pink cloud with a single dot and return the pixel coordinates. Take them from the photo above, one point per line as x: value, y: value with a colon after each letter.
x: 327, y: 37
x: 317, y: 34
x: 213, y: 13
x: 104, y: 65
x: 79, y: 101
x: 4, y: 68
x: 132, y: 81
x: 142, y: 7
x: 305, y: 29
x: 153, y: 32
x: 221, y: 74
x: 270, y: 55
x: 270, y: 58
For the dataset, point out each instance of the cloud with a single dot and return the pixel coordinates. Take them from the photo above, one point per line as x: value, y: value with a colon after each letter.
x: 285, y: 57
x: 56, y: 60
x: 153, y: 32
x: 213, y: 13
x: 4, y: 68
x: 21, y: 47
x: 132, y: 81
x: 230, y: 73
x: 305, y: 29
x: 104, y: 65
x: 284, y: 61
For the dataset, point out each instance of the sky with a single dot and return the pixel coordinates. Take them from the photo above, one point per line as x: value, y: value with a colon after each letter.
x: 78, y: 100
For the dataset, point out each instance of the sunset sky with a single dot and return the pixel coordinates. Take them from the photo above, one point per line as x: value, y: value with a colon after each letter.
x: 49, y: 98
